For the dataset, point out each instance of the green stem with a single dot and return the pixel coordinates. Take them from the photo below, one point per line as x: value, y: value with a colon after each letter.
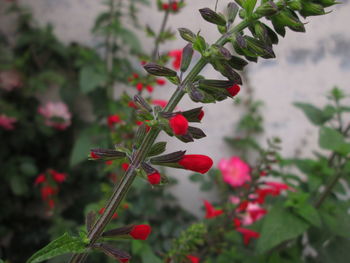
x: 123, y: 187
x: 157, y: 39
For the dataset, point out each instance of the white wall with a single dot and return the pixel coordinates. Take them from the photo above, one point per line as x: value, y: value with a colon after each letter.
x: 307, y: 66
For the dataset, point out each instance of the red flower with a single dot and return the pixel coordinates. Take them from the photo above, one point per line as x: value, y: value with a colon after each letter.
x: 124, y: 260
x: 236, y: 222
x: 149, y: 88
x: 58, y: 177
x: 234, y: 90
x: 201, y: 115
x: 177, y: 54
x: 40, y: 179
x: 154, y: 178
x: 165, y: 6
x: 211, y: 212
x: 263, y: 173
x: 113, y: 119
x: 125, y: 166
x: 174, y: 6
x: 135, y: 75
x: 94, y: 155
x: 161, y: 103
x: 139, y: 86
x: 140, y: 232
x: 247, y: 234
x: 160, y: 82
x: 109, y: 162
x: 132, y: 104
x: 47, y: 191
x: 278, y: 186
x: 193, y: 259
x: 179, y: 124
x: 51, y: 203
x: 197, y: 163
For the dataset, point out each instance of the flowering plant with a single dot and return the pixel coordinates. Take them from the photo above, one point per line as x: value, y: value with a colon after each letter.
x: 144, y: 152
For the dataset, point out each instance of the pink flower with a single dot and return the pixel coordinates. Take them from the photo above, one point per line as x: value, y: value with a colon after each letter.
x: 56, y: 115
x: 253, y: 213
x: 176, y: 54
x: 211, y: 212
x: 235, y: 171
x: 10, y: 80
x: 7, y: 122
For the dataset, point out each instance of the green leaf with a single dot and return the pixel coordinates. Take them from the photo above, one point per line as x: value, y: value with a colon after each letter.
x: 18, y: 185
x: 314, y: 114
x: 336, y: 251
x: 130, y: 39
x: 81, y: 149
x: 331, y: 139
x: 157, y: 148
x: 336, y: 219
x: 249, y: 5
x: 279, y: 225
x: 199, y: 44
x: 62, y: 245
x: 90, y: 79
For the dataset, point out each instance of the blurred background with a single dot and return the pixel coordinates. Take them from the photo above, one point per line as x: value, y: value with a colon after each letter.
x: 68, y: 71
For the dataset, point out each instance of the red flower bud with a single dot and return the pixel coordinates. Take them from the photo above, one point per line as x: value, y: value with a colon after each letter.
x: 40, y: 179
x: 197, y: 163
x: 234, y: 90
x: 174, y: 6
x: 193, y: 259
x: 211, y: 212
x: 201, y: 115
x: 165, y: 6
x: 51, y: 203
x: 154, y: 178
x: 160, y: 82
x: 135, y: 75
x: 94, y: 156
x: 109, y: 162
x: 125, y: 166
x: 132, y: 104
x: 58, y: 177
x: 149, y: 88
x: 179, y: 124
x: 140, y: 232
x: 112, y: 119
x: 139, y: 86
x: 47, y: 191
x: 237, y: 222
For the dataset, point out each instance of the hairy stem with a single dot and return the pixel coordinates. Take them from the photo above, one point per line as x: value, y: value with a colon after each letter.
x: 123, y: 187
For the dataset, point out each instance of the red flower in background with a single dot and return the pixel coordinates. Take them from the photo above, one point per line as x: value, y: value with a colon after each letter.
x: 247, y: 234
x: 160, y: 82
x: 102, y: 210
x: 139, y: 86
x: 47, y: 191
x: 149, y: 88
x: 140, y: 232
x: 196, y: 162
x: 40, y: 179
x: 176, y: 54
x: 211, y: 212
x: 179, y: 124
x: 125, y: 166
x: 58, y: 177
x: 113, y: 119
x: 161, y: 103
x: 193, y: 259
